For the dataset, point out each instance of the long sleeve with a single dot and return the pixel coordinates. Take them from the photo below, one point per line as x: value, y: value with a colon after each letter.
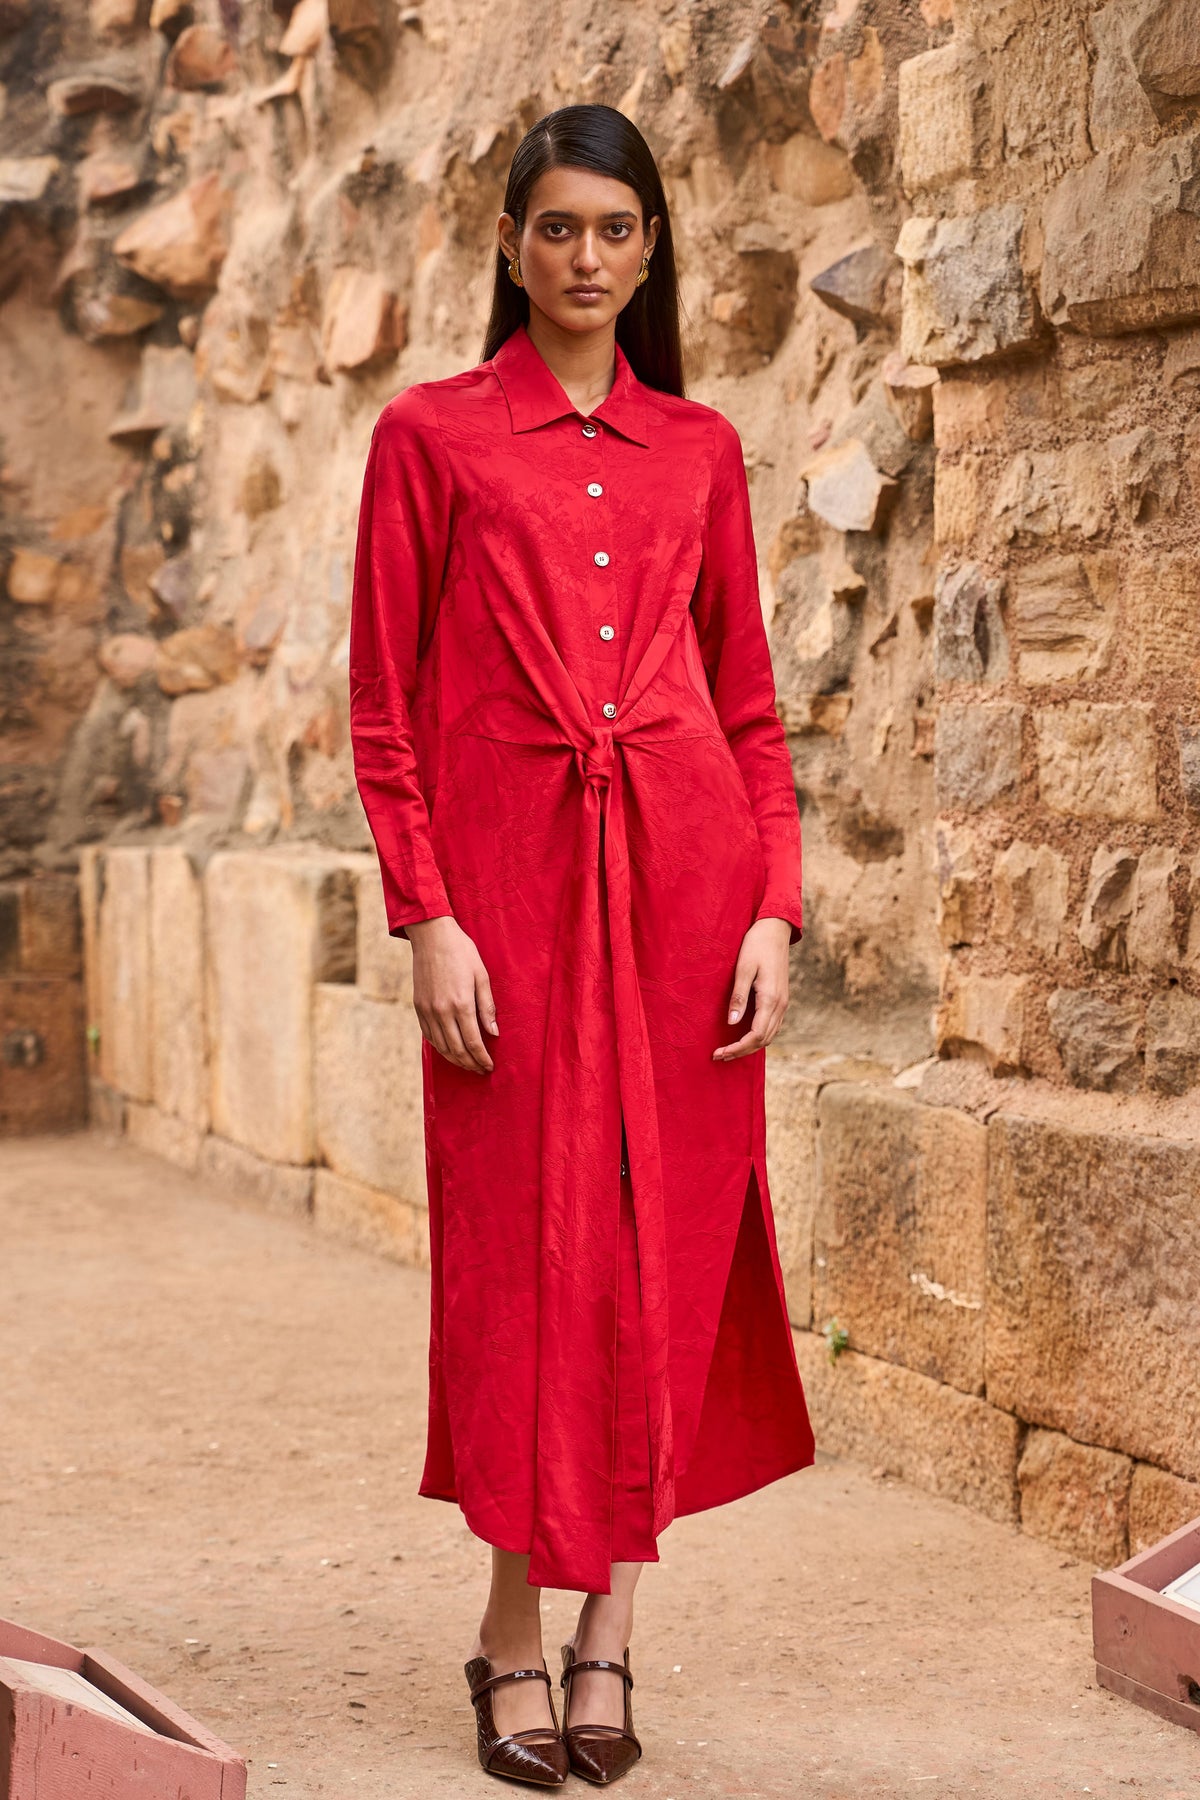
x: 737, y: 660
x: 400, y: 556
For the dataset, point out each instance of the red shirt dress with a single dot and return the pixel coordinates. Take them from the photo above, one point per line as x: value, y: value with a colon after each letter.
x: 564, y: 730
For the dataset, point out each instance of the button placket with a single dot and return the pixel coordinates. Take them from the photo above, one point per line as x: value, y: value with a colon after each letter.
x: 602, y: 601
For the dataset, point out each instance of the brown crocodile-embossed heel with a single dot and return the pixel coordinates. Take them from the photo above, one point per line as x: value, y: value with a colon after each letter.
x: 537, y: 1755
x: 599, y: 1753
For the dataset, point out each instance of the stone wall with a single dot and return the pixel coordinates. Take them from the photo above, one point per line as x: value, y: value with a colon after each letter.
x: 942, y: 269
x: 1015, y: 1283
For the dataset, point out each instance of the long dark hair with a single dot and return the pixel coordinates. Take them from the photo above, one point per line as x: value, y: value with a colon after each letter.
x: 603, y: 139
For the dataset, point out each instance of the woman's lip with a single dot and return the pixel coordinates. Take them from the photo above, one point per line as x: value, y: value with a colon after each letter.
x: 583, y: 288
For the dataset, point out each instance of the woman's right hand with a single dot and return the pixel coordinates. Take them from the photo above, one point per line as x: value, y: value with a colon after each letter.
x: 452, y: 995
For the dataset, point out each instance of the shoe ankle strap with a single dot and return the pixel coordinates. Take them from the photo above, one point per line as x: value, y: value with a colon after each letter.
x: 493, y: 1681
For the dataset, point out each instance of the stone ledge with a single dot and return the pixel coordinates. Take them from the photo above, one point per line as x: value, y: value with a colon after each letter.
x: 944, y: 1441
x: 357, y: 1214
x: 163, y: 1135
x: 284, y: 1188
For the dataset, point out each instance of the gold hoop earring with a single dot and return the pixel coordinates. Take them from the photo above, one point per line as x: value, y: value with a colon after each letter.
x: 644, y: 271
x: 514, y: 270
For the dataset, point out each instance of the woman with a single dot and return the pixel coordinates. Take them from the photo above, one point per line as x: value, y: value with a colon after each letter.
x: 565, y: 738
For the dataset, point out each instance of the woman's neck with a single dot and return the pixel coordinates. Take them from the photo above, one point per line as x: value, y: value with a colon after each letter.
x: 584, y: 363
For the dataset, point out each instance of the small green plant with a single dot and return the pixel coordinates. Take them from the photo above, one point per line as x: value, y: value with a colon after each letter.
x: 837, y: 1338
x: 93, y: 1038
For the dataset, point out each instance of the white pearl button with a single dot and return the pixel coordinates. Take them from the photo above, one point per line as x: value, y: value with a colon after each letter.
x: 601, y: 557
x: 607, y: 631
x: 609, y: 709
x: 588, y: 430
x: 594, y: 489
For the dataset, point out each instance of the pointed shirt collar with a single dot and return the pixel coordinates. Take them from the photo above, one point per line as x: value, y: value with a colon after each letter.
x: 535, y: 395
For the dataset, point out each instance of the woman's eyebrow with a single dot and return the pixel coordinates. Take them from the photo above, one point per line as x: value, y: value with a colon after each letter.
x: 559, y: 212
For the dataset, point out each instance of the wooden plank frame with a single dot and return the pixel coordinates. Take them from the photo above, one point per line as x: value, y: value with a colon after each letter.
x: 52, y: 1750
x: 1147, y: 1647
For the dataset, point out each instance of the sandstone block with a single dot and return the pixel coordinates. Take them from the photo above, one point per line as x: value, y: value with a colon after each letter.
x: 179, y: 1035
x: 1052, y: 494
x: 364, y: 321
x: 123, y: 953
x: 899, y: 1236
x: 126, y: 657
x: 276, y: 925
x: 391, y: 1227
x: 859, y: 285
x: 846, y: 489
x: 792, y: 1172
x: 1162, y: 614
x: 945, y: 116
x: 924, y: 1431
x: 969, y: 640
x: 1092, y: 1326
x: 984, y: 1016
x: 967, y: 410
x: 1029, y: 886
x: 1063, y: 614
x: 1097, y: 1039
x: 817, y: 173
x: 1189, y: 763
x: 1145, y: 466
x: 1151, y: 938
x: 201, y: 57
x: 1159, y: 1503
x: 1097, y: 761
x: 956, y: 499
x: 24, y: 179
x: 1118, y: 100
x: 196, y: 659
x: 384, y: 962
x: 180, y: 244
x: 1173, y: 1041
x: 163, y: 1135
x: 1164, y: 48
x: 910, y: 393
x: 960, y: 904
x: 1076, y: 1497
x: 966, y: 296
x: 977, y: 754
x: 279, y: 1188
x: 369, y: 1108
x: 1108, y: 907
x: 306, y: 28
x: 1122, y: 252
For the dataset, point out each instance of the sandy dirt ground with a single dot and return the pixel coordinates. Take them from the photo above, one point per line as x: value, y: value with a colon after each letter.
x: 211, y: 1436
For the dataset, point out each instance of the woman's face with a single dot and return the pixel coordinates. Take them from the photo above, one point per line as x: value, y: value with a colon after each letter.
x: 581, y: 248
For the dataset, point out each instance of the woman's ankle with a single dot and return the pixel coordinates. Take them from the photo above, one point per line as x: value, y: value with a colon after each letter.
x: 511, y: 1643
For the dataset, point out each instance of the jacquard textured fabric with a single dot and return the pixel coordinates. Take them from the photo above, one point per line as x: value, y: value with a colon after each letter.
x: 564, y: 729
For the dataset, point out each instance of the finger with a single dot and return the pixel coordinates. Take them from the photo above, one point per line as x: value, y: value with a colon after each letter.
x: 485, y: 1006
x: 473, y: 1044
x: 435, y: 1032
x: 743, y: 981
x: 455, y: 1048
x: 745, y: 1046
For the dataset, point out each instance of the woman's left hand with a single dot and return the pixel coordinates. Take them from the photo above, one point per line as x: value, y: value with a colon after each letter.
x: 762, y: 965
